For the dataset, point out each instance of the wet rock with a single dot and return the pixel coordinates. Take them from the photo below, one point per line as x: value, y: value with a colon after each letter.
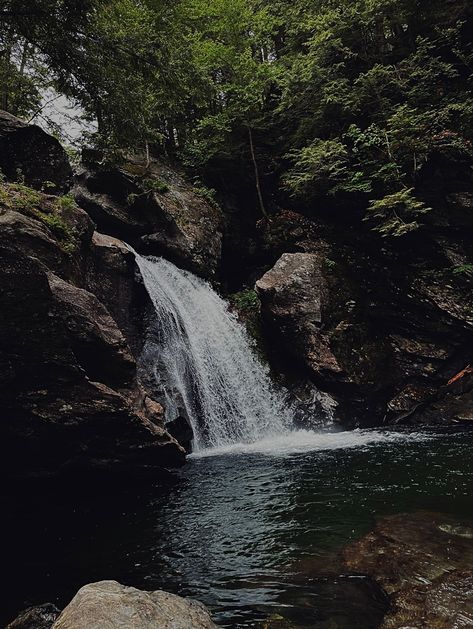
x: 423, y: 560
x: 306, y: 304
x: 110, y: 605
x: 38, y: 617
x: 29, y: 154
x: 181, y: 430
x: 95, y: 339
x: 68, y: 384
x: 156, y: 210
x: 113, y: 276
x: 384, y: 343
x: 443, y: 604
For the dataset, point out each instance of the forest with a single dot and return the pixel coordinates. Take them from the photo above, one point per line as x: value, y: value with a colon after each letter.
x: 236, y: 331
x: 342, y: 103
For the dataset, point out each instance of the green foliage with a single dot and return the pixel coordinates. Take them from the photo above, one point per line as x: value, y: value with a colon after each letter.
x: 372, y: 92
x: 396, y: 214
x: 209, y: 194
x: 152, y: 184
x: 330, y: 264
x: 18, y: 197
x: 246, y: 301
x: 341, y: 101
x: 247, y: 305
x: 463, y: 269
x: 319, y: 168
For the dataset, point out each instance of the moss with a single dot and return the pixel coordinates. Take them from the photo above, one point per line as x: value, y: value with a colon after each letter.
x: 246, y: 301
x: 155, y: 185
x: 47, y: 209
x: 18, y: 197
x: 329, y: 264
x: 247, y: 305
x: 463, y: 269
x: 134, y: 169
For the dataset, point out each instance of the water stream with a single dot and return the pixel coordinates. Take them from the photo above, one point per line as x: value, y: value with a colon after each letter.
x: 205, y: 356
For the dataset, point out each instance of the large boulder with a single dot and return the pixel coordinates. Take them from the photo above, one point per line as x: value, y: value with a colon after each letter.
x: 113, y: 276
x: 156, y: 209
x: 294, y: 295
x: 110, y: 605
x: 29, y: 154
x: 68, y: 383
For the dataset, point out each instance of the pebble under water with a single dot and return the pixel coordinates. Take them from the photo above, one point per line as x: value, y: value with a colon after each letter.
x: 236, y: 529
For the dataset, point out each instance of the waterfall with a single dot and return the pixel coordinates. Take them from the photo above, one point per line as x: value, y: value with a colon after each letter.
x: 207, y: 357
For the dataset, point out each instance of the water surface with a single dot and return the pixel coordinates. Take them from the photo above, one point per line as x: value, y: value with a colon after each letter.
x: 236, y: 527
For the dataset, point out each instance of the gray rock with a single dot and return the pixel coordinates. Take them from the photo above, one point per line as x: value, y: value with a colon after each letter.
x: 69, y: 391
x: 156, y: 209
x: 293, y: 295
x: 27, y: 151
x: 110, y: 605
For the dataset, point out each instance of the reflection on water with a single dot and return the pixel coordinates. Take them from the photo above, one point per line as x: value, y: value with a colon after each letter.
x: 231, y: 529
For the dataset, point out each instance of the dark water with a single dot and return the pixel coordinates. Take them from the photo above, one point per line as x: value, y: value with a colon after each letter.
x: 236, y: 530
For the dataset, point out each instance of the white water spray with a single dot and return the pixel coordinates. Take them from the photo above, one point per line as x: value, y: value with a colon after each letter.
x: 208, y: 359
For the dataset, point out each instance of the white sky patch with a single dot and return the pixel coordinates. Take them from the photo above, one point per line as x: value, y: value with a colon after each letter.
x: 62, y: 116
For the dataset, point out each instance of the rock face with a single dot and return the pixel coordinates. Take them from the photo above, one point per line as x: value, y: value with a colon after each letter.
x: 156, y: 210
x: 70, y: 397
x: 388, y: 335
x: 423, y: 560
x: 110, y: 605
x: 30, y: 154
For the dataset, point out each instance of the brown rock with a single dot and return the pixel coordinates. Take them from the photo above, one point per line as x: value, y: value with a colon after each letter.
x: 423, y: 560
x: 293, y: 295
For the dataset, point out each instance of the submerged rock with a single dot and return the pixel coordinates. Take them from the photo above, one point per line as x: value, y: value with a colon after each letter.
x: 423, y: 560
x: 110, y: 605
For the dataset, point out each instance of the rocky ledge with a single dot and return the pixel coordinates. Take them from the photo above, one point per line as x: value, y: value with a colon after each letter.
x: 110, y: 605
x: 72, y: 308
x: 156, y: 209
x: 386, y: 329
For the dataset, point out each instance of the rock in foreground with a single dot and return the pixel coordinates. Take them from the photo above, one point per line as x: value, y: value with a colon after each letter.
x: 110, y: 605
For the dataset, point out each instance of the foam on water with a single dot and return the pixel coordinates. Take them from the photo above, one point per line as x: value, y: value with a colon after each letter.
x: 297, y: 441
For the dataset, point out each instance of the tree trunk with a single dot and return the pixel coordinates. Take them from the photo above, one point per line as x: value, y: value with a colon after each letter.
x: 257, y: 177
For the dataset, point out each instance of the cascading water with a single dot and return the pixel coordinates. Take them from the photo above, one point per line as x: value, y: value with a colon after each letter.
x: 208, y: 359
